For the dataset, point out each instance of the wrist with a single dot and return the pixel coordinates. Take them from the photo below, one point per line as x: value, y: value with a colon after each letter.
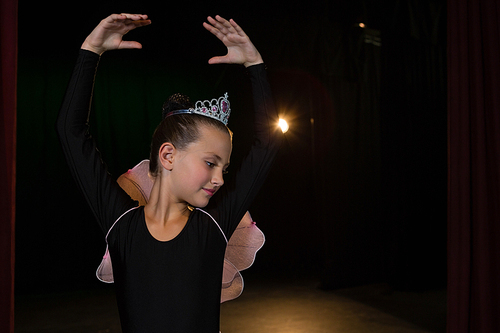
x: 255, y: 61
x: 252, y: 63
x: 89, y: 47
x: 248, y: 64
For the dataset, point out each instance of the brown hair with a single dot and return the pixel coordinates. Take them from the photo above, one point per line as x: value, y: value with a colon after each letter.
x: 180, y: 130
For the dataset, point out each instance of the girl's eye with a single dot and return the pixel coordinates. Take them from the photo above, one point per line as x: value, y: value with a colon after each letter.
x: 225, y: 172
x: 210, y: 164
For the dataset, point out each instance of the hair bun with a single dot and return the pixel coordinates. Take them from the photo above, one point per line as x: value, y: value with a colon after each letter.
x: 175, y: 102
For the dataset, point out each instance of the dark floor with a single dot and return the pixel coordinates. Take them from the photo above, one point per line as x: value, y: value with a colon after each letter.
x: 272, y: 305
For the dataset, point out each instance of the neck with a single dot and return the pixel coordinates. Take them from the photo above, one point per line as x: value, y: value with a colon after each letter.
x: 162, y: 207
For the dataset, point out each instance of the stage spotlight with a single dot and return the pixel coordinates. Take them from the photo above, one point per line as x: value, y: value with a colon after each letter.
x: 283, y: 125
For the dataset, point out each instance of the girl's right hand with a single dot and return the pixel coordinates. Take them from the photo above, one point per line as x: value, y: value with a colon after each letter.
x: 108, y: 34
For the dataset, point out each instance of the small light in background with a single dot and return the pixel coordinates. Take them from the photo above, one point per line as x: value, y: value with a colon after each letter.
x: 362, y: 25
x: 283, y: 125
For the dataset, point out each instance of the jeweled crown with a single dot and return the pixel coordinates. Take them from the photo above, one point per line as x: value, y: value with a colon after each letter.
x: 218, y: 109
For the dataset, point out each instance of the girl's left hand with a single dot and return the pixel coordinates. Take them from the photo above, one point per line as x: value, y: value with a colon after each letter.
x: 240, y: 49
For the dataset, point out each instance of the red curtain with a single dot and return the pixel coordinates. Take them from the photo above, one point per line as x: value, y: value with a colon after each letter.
x: 8, y: 72
x: 474, y: 166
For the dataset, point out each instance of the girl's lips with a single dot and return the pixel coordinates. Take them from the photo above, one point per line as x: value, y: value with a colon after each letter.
x: 209, y: 192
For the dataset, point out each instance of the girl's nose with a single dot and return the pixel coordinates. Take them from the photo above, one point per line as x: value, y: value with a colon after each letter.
x: 218, y: 179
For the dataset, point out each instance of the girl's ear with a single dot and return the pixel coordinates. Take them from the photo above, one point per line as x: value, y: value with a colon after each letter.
x: 166, y: 155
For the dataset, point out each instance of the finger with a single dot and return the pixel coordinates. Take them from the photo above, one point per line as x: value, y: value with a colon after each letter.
x: 130, y: 45
x: 237, y: 28
x: 222, y: 24
x: 215, y: 24
x: 226, y: 25
x: 115, y: 17
x: 112, y: 19
x: 223, y: 21
x: 138, y: 20
x: 141, y: 23
x: 131, y: 21
x: 135, y: 17
x: 217, y: 60
x: 216, y: 32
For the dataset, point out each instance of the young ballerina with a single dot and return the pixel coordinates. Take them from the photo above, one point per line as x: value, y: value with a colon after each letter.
x: 167, y: 256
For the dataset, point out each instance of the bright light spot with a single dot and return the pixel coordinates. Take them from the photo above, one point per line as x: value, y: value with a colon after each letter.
x: 284, y: 125
x: 362, y: 25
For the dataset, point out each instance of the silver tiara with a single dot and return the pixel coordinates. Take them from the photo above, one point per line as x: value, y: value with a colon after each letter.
x: 216, y: 108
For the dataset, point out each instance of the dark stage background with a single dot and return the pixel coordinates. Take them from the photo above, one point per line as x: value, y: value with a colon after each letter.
x: 358, y: 195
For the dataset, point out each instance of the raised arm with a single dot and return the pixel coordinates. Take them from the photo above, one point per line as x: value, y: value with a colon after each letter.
x: 267, y: 136
x: 104, y: 196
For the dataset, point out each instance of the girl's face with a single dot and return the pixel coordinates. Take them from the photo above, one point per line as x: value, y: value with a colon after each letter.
x: 197, y: 170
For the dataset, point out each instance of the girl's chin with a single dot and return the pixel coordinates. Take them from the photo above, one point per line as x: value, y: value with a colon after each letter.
x: 199, y: 204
